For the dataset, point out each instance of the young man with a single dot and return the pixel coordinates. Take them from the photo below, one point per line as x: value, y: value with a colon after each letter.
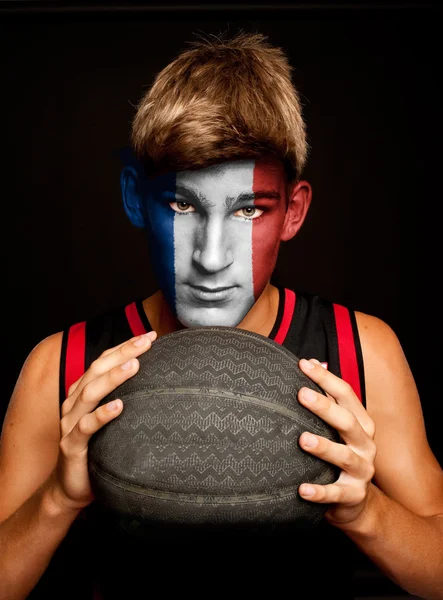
x: 221, y: 141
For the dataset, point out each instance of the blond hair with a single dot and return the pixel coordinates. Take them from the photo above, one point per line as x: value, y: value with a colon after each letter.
x: 221, y: 100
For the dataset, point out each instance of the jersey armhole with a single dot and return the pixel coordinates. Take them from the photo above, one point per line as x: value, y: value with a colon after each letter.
x: 72, y: 364
x: 349, y: 350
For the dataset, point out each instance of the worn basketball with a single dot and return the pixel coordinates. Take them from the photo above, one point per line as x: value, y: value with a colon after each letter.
x: 209, y: 433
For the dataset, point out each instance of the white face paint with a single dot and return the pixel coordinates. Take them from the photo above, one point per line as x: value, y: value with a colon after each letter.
x: 213, y: 244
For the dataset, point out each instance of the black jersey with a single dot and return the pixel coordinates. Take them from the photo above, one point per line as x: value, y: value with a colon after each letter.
x: 107, y: 561
x: 307, y: 325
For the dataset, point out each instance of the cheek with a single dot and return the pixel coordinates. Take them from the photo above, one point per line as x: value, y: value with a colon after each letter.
x: 161, y: 235
x: 184, y: 234
x: 266, y: 231
x: 161, y: 246
x: 265, y: 246
x: 161, y: 219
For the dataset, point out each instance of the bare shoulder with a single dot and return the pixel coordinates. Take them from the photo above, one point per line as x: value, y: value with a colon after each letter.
x: 393, y: 402
x: 44, y: 356
x: 381, y: 348
x: 375, y: 333
x: 31, y: 428
x: 40, y: 371
x: 386, y: 369
x: 390, y: 385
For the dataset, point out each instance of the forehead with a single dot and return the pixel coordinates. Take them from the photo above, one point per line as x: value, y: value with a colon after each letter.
x: 234, y: 177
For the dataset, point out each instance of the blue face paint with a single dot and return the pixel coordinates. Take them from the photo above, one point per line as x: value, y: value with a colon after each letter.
x: 146, y: 207
x: 160, y: 233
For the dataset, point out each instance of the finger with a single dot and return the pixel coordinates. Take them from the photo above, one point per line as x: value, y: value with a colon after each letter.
x: 339, y: 389
x: 332, y: 493
x: 81, y: 381
x: 151, y: 335
x: 75, y: 385
x: 340, y: 418
x: 340, y: 455
x: 107, y: 360
x: 97, y: 389
x: 77, y: 440
x: 324, y: 365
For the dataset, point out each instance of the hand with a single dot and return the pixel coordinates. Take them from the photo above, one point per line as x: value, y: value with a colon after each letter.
x: 69, y: 483
x: 341, y: 409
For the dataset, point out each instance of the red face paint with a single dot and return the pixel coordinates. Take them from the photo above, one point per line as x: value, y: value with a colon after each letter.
x: 269, y: 184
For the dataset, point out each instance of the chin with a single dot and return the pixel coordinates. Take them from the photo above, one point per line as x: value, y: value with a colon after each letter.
x: 210, y: 317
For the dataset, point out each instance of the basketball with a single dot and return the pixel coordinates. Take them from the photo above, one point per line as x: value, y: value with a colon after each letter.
x: 209, y: 435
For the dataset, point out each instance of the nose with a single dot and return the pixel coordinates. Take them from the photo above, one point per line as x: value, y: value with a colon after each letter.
x: 212, y: 247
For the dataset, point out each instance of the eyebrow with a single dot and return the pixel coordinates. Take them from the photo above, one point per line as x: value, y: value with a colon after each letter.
x: 230, y: 200
x: 268, y: 194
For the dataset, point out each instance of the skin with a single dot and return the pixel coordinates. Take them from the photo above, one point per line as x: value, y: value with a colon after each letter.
x: 388, y: 498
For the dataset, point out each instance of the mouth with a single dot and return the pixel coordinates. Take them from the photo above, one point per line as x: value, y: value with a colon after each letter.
x: 204, y: 288
x: 212, y: 294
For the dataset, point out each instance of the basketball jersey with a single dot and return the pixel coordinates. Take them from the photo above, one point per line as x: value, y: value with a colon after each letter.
x: 109, y: 562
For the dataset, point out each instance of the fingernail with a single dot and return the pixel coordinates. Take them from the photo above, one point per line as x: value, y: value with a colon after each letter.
x: 142, y: 340
x: 152, y: 335
x: 308, y: 395
x: 306, y: 364
x: 309, y: 440
x: 114, y: 405
x: 127, y: 365
x: 307, y: 490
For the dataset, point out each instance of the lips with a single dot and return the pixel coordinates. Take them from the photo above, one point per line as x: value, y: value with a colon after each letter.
x: 204, y: 288
x: 212, y: 294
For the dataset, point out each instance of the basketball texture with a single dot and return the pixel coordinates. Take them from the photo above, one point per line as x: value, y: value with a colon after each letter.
x: 209, y: 434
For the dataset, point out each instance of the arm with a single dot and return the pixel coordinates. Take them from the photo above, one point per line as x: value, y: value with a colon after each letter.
x: 28, y: 539
x: 43, y: 460
x: 402, y: 528
x: 31, y: 524
x: 389, y: 496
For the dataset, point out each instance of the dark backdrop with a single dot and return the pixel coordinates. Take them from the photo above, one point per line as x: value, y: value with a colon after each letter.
x: 370, y: 84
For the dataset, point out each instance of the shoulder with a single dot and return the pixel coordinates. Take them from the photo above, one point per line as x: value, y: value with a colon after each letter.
x: 39, y: 374
x: 392, y: 398
x: 36, y: 390
x: 31, y: 428
x: 381, y: 347
x: 43, y: 357
x: 373, y: 330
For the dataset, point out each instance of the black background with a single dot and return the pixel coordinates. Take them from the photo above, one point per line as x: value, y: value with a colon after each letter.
x: 370, y: 84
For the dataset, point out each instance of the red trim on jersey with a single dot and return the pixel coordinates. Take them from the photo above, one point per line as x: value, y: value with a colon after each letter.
x: 134, y: 320
x: 288, y: 313
x: 75, y: 354
x: 346, y: 349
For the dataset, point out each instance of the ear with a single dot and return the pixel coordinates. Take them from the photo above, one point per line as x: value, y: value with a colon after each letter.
x: 132, y: 196
x: 299, y: 200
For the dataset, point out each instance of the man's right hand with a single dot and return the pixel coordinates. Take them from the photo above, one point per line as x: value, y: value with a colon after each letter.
x: 69, y: 483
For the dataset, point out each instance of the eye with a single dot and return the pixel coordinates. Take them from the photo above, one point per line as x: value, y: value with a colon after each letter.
x: 182, y: 207
x: 249, y: 212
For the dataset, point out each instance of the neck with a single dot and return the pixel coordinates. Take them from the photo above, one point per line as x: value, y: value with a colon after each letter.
x: 260, y: 319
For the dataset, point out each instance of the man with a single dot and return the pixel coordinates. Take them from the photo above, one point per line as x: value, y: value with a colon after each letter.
x: 217, y: 186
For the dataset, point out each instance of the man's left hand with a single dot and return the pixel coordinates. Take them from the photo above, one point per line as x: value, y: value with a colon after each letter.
x: 341, y: 409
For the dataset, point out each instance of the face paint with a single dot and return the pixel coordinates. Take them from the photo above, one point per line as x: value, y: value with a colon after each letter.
x: 214, y: 237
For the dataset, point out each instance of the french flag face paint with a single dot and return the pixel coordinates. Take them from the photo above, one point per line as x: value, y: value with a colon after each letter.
x: 214, y: 237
